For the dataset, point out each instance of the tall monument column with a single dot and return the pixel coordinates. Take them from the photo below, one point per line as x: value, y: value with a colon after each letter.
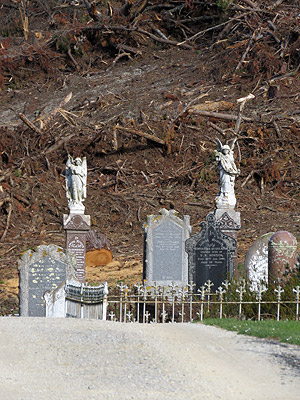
x: 229, y: 220
x: 76, y: 224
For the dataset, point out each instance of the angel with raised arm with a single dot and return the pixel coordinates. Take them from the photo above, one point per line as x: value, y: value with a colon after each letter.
x: 228, y: 172
x: 76, y: 175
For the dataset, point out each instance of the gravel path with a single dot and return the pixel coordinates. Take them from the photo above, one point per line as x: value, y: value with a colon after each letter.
x: 87, y: 359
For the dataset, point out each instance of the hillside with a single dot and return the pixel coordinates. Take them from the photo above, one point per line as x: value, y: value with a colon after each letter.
x: 142, y: 94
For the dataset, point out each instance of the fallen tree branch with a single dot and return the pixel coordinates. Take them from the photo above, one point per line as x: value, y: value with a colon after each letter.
x: 216, y: 127
x: 59, y: 143
x: 161, y: 40
x: 8, y: 220
x: 242, y: 102
x: 139, y: 133
x: 73, y: 59
x: 29, y: 123
x: 228, y: 117
x: 117, y: 59
x: 250, y: 3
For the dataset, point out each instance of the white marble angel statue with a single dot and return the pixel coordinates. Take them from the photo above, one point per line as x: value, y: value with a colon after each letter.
x: 228, y: 172
x: 76, y: 175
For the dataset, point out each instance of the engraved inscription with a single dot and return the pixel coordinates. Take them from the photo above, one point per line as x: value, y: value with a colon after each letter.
x: 77, y: 246
x: 211, y: 254
x: 211, y: 264
x: 167, y: 252
x: 45, y: 274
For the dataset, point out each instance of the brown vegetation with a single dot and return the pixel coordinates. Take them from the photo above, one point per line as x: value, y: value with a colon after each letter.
x: 142, y: 89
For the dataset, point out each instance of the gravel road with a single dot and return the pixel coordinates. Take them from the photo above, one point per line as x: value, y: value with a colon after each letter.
x: 87, y: 359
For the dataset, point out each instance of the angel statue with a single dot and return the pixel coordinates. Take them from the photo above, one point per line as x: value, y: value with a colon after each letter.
x: 76, y: 174
x: 228, y: 171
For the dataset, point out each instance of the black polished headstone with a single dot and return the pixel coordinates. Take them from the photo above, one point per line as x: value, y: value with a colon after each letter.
x: 210, y: 254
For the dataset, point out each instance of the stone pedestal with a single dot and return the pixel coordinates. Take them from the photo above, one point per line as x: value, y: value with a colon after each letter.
x: 230, y: 224
x: 76, y: 227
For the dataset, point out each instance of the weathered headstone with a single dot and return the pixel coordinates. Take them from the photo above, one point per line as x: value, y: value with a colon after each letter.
x: 41, y: 269
x: 210, y: 254
x: 256, y: 262
x: 282, y: 255
x: 165, y: 260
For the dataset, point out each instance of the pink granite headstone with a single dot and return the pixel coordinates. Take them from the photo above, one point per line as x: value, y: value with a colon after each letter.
x: 282, y: 255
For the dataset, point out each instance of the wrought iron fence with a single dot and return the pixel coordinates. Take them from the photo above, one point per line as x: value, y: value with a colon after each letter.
x: 161, y: 304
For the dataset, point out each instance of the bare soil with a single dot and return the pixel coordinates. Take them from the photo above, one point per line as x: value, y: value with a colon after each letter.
x: 114, y: 101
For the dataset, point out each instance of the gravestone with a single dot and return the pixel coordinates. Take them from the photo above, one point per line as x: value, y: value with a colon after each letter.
x: 210, y: 254
x: 165, y: 260
x: 41, y: 269
x: 282, y: 255
x: 256, y: 262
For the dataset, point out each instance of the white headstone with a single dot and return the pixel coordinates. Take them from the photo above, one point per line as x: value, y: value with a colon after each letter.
x: 256, y: 262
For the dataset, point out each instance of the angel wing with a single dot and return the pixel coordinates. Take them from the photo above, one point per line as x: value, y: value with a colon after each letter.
x: 231, y: 143
x: 219, y: 144
x: 84, y: 167
x: 69, y: 162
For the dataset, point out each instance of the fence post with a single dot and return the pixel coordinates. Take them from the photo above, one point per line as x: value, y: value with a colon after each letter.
x: 241, y: 290
x: 121, y: 288
x: 138, y: 286
x: 126, y: 290
x: 173, y: 292
x: 221, y: 291
x: 183, y: 291
x: 279, y: 290
x: 144, y: 291
x: 190, y: 294
x: 202, y: 294
x: 208, y: 285
x: 297, y: 291
x: 105, y: 302
x: 261, y: 289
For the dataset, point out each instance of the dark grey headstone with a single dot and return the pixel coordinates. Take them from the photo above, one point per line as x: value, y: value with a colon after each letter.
x: 165, y: 259
x: 40, y: 269
x: 210, y: 254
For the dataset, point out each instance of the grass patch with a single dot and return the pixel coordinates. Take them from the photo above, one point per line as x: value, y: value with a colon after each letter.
x: 284, y: 331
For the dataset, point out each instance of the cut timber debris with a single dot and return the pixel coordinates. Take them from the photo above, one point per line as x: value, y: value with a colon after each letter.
x: 97, y: 258
x: 212, y: 106
x: 129, y: 131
